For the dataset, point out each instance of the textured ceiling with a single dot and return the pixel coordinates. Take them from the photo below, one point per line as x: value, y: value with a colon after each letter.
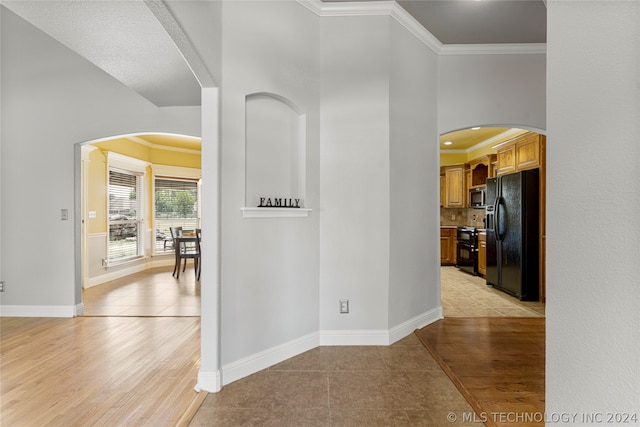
x: 124, y: 38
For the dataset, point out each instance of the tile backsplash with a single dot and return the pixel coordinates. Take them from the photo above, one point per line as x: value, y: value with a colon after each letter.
x: 462, y: 216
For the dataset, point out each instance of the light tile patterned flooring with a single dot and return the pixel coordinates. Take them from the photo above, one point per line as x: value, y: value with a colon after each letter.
x: 464, y: 295
x: 153, y: 292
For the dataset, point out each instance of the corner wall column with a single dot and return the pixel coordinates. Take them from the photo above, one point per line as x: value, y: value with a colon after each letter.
x: 209, y: 378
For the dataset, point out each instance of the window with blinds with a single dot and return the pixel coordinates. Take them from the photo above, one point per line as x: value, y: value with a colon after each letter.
x: 176, y: 204
x: 125, y: 231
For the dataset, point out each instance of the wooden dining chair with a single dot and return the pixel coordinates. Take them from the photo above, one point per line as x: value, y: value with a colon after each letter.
x: 175, y: 233
x: 187, y: 248
x: 198, y: 241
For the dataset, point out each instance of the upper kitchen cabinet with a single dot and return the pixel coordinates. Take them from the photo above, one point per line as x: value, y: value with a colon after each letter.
x: 521, y: 153
x: 443, y: 189
x: 480, y: 169
x: 455, y: 187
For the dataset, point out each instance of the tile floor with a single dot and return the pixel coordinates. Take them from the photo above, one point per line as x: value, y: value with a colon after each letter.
x: 153, y: 292
x: 464, y: 295
x: 398, y: 385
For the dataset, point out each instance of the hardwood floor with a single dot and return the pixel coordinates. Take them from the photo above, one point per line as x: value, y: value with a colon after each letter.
x: 109, y: 371
x: 132, y: 370
x: 497, y: 363
x: 154, y: 292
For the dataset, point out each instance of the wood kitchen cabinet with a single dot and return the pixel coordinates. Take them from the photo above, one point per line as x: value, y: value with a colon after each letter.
x: 443, y: 190
x: 528, y: 151
x: 506, y: 159
x: 482, y: 253
x: 480, y: 169
x: 455, y: 187
x: 521, y: 153
x: 447, y: 246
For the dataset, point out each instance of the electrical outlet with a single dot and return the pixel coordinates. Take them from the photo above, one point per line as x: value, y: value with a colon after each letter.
x: 2, y: 286
x: 344, y: 306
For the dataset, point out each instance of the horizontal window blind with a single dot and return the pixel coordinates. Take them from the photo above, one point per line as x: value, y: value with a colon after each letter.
x: 125, y: 237
x: 176, y: 205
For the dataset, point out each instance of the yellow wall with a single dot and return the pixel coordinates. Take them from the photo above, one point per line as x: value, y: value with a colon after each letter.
x: 457, y: 158
x: 97, y: 174
x: 453, y: 159
x: 97, y: 192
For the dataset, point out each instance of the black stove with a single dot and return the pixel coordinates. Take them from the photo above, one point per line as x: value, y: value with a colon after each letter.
x: 467, y: 250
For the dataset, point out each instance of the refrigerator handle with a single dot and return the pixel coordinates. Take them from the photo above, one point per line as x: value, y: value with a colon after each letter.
x: 496, y: 219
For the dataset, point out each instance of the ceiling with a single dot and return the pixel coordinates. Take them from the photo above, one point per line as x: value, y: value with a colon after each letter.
x: 466, y: 140
x: 127, y: 39
x: 480, y: 21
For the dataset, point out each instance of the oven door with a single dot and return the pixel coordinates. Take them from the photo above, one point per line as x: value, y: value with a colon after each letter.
x: 467, y: 253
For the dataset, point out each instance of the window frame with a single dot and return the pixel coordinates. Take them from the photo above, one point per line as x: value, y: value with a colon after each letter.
x: 137, y: 168
x: 176, y: 173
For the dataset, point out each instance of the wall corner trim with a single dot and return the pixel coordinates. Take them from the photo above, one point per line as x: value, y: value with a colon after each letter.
x: 209, y: 381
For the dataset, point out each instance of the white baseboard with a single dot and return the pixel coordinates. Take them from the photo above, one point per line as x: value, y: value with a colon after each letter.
x: 380, y: 337
x: 269, y: 357
x: 209, y: 381
x: 402, y: 330
x: 39, y: 310
x: 117, y: 274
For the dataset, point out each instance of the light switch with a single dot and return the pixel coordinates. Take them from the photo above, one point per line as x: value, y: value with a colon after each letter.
x: 92, y: 214
x: 64, y: 214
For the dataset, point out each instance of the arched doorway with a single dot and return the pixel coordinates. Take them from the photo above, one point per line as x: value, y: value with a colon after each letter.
x: 467, y: 158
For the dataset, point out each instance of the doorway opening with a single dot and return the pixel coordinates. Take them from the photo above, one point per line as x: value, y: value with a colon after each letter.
x: 469, y: 159
x: 134, y: 188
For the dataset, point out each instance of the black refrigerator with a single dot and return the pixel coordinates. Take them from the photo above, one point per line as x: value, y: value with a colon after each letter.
x: 513, y: 233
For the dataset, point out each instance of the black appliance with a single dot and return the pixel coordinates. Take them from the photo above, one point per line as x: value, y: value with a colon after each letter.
x: 477, y: 197
x: 513, y: 233
x: 467, y: 249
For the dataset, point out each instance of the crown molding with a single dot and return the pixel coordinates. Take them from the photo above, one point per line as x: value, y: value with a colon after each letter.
x: 494, y: 49
x: 377, y: 8
x: 148, y: 144
x: 491, y: 141
x: 394, y: 10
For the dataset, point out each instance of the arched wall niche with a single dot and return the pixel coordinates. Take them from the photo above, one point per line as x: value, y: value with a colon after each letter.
x: 275, y: 150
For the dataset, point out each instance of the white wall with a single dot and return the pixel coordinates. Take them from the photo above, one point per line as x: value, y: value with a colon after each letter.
x: 414, y: 180
x: 270, y: 282
x: 51, y: 100
x: 491, y: 89
x: 593, y: 201
x: 355, y: 216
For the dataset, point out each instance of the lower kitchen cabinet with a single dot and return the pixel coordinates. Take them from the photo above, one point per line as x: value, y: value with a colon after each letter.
x: 482, y: 253
x: 447, y: 246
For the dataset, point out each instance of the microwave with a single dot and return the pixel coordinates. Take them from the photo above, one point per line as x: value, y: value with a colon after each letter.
x: 477, y: 197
